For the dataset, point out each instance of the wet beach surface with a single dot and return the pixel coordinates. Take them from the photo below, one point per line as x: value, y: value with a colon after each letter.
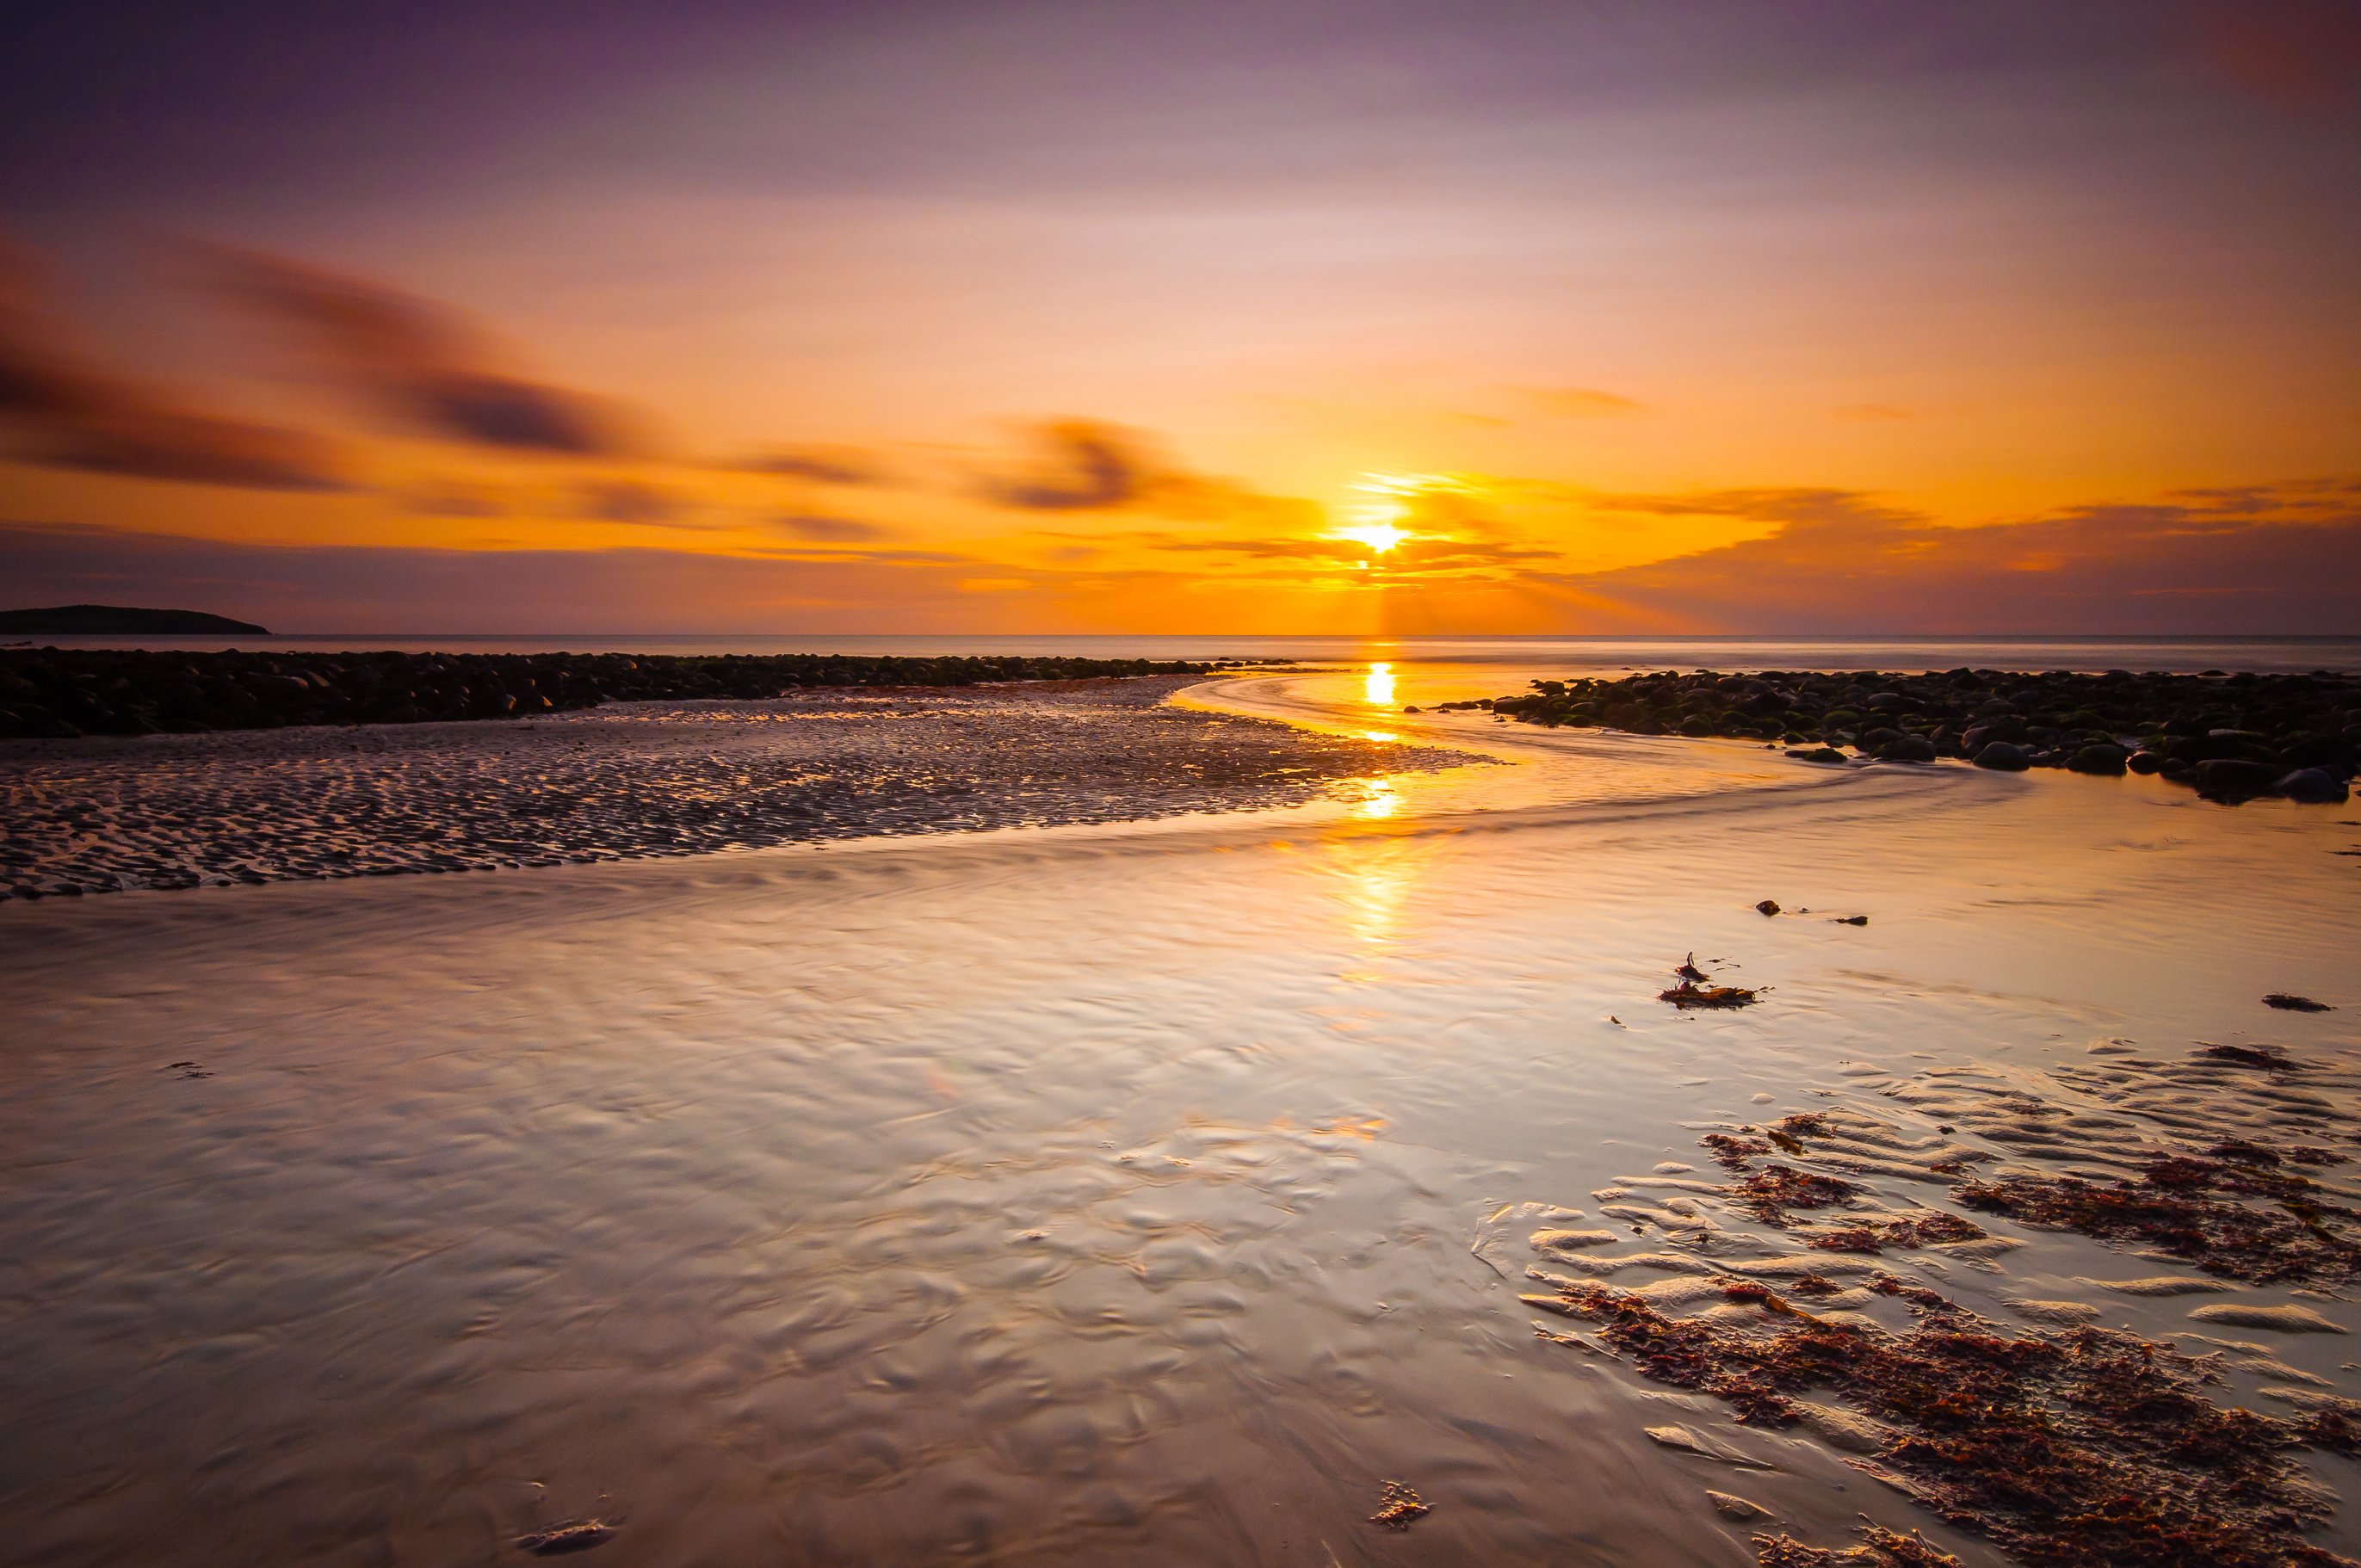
x: 1121, y: 1193
x: 627, y: 780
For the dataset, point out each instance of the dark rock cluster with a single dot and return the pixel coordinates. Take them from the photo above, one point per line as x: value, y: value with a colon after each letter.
x: 2232, y: 737
x: 63, y: 693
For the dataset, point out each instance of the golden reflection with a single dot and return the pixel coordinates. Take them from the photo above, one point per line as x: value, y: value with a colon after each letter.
x: 1375, y: 876
x: 1377, y: 685
x: 1386, y: 735
x: 1381, y: 801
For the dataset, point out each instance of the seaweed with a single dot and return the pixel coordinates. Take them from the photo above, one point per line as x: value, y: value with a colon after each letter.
x: 1732, y: 1153
x: 1696, y: 989
x: 1906, y: 1233
x: 1689, y: 993
x: 2187, y: 1205
x: 1880, y: 1548
x: 1770, y: 1192
x: 2078, y: 1448
x: 557, y: 1541
x: 1397, y: 1505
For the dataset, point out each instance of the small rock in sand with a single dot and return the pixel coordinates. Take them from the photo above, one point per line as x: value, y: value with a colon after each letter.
x: 2283, y: 1320
x: 1768, y: 907
x: 2286, y: 1003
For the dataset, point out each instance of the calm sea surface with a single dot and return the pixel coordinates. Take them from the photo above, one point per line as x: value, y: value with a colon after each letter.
x: 1106, y: 1195
x: 1556, y: 653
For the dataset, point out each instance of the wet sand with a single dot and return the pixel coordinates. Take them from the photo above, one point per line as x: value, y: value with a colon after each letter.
x: 629, y: 780
x: 1118, y: 1193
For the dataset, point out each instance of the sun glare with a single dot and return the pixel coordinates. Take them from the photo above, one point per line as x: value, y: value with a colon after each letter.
x: 1378, y: 536
x: 1375, y: 524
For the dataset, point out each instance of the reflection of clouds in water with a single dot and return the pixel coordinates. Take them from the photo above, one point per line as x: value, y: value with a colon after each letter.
x: 1377, y: 685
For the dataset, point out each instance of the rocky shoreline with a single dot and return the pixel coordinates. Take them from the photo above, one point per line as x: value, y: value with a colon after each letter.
x: 631, y: 780
x: 2230, y: 737
x: 62, y: 693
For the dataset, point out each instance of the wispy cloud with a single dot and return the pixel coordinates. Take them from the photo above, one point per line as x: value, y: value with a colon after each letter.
x: 2262, y: 558
x: 1583, y: 403
x: 422, y: 363
x: 1082, y: 465
x: 838, y: 529
x: 820, y: 465
x: 69, y: 412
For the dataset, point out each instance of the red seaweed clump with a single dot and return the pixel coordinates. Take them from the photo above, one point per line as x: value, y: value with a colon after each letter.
x: 1770, y: 1192
x: 1731, y: 1153
x: 1880, y: 1548
x: 2188, y: 1205
x: 1905, y: 1232
x: 2079, y: 1448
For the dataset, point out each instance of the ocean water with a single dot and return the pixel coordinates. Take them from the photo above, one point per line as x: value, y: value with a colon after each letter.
x: 1557, y: 654
x: 1115, y: 1194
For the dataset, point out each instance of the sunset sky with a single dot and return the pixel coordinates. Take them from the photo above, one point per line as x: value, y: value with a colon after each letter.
x: 1107, y: 316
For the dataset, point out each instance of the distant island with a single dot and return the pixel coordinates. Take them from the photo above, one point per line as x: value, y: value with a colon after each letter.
x: 122, y: 620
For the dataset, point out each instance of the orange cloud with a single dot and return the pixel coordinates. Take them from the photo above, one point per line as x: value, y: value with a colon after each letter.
x: 421, y: 363
x: 71, y: 415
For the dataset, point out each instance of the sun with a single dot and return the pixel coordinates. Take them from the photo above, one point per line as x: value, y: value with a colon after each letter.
x: 1378, y: 536
x: 1376, y: 523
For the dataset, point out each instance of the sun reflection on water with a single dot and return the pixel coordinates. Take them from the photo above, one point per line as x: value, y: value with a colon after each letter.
x: 1377, y: 685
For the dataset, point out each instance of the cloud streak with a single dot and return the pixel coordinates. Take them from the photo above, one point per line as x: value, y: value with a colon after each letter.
x: 70, y: 412
x: 2277, y: 558
x: 420, y: 363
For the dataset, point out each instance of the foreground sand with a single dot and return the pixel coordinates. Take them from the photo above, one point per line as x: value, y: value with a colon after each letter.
x: 637, y: 779
x: 1122, y: 1195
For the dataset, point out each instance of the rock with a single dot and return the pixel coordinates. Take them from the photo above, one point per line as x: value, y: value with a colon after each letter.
x: 2144, y: 763
x: 2284, y: 1320
x: 1816, y: 754
x: 2288, y: 1003
x: 2004, y: 756
x: 1768, y: 907
x: 2230, y: 778
x: 1905, y: 749
x: 2106, y: 762
x: 1850, y: 920
x: 2314, y: 786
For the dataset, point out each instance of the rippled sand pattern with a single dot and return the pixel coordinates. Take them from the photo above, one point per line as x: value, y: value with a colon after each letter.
x: 1103, y: 1194
x: 638, y: 779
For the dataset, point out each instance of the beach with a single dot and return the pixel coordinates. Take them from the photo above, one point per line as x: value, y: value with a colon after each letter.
x: 631, y: 779
x: 1070, y: 1189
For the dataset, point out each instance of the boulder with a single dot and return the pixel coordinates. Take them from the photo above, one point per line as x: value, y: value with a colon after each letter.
x: 2144, y: 763
x: 2107, y: 761
x: 2314, y: 786
x: 2004, y: 756
x: 2232, y: 778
